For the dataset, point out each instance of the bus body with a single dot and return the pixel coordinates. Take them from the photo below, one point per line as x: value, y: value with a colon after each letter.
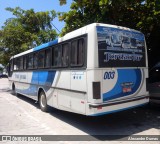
x: 80, y: 73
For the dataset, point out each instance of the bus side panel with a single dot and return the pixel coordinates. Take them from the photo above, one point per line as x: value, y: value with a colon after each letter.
x: 71, y: 89
x: 143, y: 90
x: 28, y: 86
x: 61, y: 83
x: 45, y: 81
x: 23, y: 84
x: 78, y: 103
x: 19, y: 79
x: 36, y: 80
x: 62, y: 80
x: 94, y: 76
x: 120, y: 83
x: 23, y: 81
x: 16, y: 78
x: 71, y: 101
x: 51, y: 96
x: 79, y: 87
x: 78, y: 81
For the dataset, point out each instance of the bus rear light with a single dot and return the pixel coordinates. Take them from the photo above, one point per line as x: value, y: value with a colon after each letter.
x: 82, y: 102
x: 99, y: 108
x: 96, y: 90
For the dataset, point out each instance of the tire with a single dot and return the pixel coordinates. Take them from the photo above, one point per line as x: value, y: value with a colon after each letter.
x: 43, y: 102
x: 14, y: 90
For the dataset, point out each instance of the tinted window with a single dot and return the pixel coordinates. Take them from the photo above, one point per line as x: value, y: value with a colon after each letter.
x: 120, y: 48
x: 74, y: 53
x: 11, y: 65
x: 65, y: 52
x: 10, y: 68
x: 25, y: 62
x: 41, y: 57
x: 30, y: 61
x: 35, y: 62
x: 21, y: 63
x: 56, y: 56
x: 77, y: 52
x: 48, y: 58
x: 16, y: 64
x: 80, y: 52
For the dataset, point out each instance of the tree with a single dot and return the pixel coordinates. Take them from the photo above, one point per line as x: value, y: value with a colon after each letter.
x: 106, y: 11
x: 26, y: 30
x: 143, y: 15
x: 149, y: 24
x: 1, y: 69
x: 62, y: 2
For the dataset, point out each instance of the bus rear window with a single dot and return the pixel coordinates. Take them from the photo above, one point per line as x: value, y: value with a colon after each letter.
x: 120, y: 48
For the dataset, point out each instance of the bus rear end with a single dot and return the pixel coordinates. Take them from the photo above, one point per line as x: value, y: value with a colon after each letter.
x: 116, y: 70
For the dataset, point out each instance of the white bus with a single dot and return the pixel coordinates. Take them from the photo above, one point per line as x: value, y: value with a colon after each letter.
x: 79, y: 73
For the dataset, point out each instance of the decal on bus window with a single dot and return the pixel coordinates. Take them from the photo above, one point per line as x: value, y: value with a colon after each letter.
x: 120, y: 48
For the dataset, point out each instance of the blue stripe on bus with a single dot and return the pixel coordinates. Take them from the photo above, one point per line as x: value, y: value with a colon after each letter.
x: 124, y: 75
x: 119, y: 110
x: 43, y: 79
x: 46, y: 45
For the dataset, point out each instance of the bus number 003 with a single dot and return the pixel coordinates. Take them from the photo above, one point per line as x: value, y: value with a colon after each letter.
x: 109, y: 75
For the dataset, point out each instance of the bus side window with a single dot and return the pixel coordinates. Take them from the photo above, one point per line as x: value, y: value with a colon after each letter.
x: 65, y: 53
x: 11, y: 65
x: 25, y: 62
x: 10, y: 68
x: 56, y: 56
x: 30, y: 61
x: 16, y: 64
x: 41, y: 57
x: 77, y: 52
x: 21, y: 63
x: 80, y: 51
x: 35, y: 60
x: 48, y: 58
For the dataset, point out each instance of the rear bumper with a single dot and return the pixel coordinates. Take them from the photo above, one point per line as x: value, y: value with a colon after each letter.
x: 116, y: 102
x: 117, y: 105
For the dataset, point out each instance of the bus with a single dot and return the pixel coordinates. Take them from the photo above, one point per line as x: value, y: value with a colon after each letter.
x: 80, y: 73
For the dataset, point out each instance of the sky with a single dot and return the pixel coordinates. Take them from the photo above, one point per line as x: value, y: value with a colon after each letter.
x: 37, y: 5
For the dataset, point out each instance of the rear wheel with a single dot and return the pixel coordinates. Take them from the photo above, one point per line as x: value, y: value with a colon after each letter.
x: 43, y: 102
x: 14, y: 90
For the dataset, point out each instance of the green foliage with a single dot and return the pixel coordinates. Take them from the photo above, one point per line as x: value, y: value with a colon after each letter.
x: 143, y: 15
x: 84, y: 12
x: 1, y: 69
x: 25, y: 31
x: 149, y: 24
x: 62, y: 2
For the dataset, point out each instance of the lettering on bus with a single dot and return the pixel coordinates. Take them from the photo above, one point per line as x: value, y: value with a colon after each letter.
x: 17, y: 76
x: 109, y: 75
x: 122, y: 56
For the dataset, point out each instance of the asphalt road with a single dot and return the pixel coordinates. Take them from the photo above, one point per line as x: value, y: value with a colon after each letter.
x: 22, y: 116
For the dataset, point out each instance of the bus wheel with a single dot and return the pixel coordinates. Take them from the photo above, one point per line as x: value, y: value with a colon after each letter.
x: 43, y: 102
